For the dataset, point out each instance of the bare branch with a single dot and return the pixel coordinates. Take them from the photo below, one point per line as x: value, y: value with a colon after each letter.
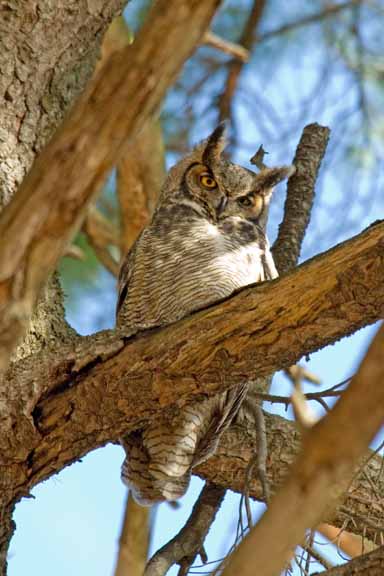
x: 235, y: 66
x: 322, y: 472
x: 187, y: 544
x: 47, y: 209
x: 351, y: 544
x: 300, y: 195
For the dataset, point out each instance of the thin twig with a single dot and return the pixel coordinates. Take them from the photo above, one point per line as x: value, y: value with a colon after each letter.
x: 328, y: 393
x: 235, y: 50
x: 328, y: 12
x: 262, y: 452
x: 318, y: 557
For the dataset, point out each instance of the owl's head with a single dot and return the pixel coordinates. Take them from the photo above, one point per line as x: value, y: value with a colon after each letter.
x: 215, y: 187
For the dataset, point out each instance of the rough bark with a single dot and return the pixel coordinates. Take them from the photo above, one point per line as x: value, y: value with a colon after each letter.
x: 321, y: 474
x: 47, y: 208
x: 300, y: 196
x: 47, y: 54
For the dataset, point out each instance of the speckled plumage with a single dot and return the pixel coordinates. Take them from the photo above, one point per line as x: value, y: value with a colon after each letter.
x: 206, y: 240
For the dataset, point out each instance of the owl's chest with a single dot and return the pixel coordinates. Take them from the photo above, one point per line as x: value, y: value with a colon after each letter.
x: 189, y: 267
x: 223, y: 261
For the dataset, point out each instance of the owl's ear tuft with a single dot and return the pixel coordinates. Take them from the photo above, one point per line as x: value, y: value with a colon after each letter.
x: 215, y: 144
x: 268, y: 178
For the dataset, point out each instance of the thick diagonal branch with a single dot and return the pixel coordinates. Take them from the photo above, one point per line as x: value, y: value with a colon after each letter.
x: 48, y: 209
x: 322, y: 472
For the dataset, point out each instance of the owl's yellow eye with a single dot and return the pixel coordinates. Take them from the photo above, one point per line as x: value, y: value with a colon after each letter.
x: 207, y: 181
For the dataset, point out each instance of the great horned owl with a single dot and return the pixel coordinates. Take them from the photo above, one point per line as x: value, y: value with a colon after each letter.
x: 206, y: 240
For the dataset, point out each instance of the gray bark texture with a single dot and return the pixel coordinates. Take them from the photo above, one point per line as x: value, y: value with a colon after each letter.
x: 47, y: 54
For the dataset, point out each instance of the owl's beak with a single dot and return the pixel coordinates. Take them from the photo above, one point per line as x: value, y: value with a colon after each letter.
x: 222, y: 205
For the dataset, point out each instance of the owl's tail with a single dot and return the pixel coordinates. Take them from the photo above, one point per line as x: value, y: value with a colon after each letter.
x: 145, y: 487
x: 160, y: 458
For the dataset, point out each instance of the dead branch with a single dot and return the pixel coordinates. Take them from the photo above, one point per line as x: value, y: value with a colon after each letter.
x: 322, y: 472
x: 188, y: 543
x: 300, y: 195
x: 351, y: 544
x: 47, y: 209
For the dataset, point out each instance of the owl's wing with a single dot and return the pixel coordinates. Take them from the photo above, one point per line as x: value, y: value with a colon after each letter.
x: 232, y: 400
x: 125, y: 275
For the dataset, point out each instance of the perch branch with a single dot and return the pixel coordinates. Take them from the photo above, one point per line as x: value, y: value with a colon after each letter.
x: 254, y: 333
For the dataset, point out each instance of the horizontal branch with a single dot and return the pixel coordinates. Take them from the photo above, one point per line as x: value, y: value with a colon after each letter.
x: 63, y: 404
